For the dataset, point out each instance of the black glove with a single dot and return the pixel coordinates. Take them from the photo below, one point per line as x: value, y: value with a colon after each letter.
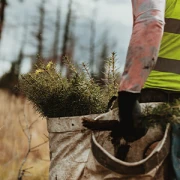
x: 128, y: 113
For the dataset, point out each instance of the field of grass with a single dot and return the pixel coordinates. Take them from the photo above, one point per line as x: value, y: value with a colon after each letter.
x: 15, y: 112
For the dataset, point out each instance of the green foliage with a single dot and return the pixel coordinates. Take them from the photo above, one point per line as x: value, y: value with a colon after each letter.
x: 56, y: 96
x: 162, y: 114
x: 112, y: 77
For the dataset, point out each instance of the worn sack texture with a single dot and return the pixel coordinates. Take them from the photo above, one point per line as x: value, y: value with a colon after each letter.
x: 77, y: 154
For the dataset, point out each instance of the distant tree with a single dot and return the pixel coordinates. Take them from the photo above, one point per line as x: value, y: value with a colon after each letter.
x: 72, y: 38
x: 66, y: 31
x: 18, y: 62
x: 71, y: 45
x: 3, y: 4
x: 102, y: 64
x: 92, y: 43
x: 92, y: 37
x: 40, y: 32
x: 10, y: 79
x: 57, y: 33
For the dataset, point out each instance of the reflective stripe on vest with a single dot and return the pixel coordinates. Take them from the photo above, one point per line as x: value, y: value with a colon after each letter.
x: 168, y: 65
x: 172, y: 25
x: 166, y: 73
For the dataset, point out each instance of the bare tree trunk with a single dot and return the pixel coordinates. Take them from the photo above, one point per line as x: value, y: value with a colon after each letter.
x: 57, y: 34
x: 101, y: 69
x: 66, y: 31
x: 3, y: 4
x: 92, y: 39
x: 40, y: 33
x: 21, y: 53
x: 71, y: 46
x: 92, y: 44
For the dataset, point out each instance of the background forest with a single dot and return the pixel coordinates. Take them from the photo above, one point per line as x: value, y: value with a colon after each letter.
x: 41, y: 31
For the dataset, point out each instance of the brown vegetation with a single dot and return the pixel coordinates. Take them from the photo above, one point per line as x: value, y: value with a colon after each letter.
x: 14, y: 144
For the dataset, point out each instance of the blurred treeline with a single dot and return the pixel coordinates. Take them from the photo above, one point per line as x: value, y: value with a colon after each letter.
x: 64, y: 41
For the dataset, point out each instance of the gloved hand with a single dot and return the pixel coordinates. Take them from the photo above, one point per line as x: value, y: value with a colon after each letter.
x: 129, y: 112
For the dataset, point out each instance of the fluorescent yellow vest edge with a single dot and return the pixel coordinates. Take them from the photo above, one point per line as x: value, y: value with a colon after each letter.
x: 170, y: 49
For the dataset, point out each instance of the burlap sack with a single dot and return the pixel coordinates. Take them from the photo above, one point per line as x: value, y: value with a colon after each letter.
x: 78, y: 154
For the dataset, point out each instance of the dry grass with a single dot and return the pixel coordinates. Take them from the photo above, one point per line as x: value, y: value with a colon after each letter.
x: 14, y: 144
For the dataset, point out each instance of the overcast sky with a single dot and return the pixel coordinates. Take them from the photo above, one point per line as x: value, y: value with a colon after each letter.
x: 114, y: 16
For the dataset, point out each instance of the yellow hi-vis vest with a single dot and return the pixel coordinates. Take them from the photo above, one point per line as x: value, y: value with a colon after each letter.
x: 166, y: 73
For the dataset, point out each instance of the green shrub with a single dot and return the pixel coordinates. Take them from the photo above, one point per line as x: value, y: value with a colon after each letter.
x: 56, y: 96
x: 162, y: 114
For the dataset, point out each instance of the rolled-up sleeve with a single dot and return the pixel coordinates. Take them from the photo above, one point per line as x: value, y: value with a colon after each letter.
x: 144, y: 44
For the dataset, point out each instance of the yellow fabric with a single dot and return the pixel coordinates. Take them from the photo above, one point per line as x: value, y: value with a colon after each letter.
x: 170, y: 46
x: 162, y: 80
x: 170, y: 5
x: 176, y: 12
x: 170, y: 49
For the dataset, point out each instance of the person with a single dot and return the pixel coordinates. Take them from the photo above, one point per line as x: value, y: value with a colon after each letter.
x: 153, y: 56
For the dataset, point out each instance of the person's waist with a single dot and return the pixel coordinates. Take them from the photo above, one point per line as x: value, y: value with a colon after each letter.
x: 158, y: 95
